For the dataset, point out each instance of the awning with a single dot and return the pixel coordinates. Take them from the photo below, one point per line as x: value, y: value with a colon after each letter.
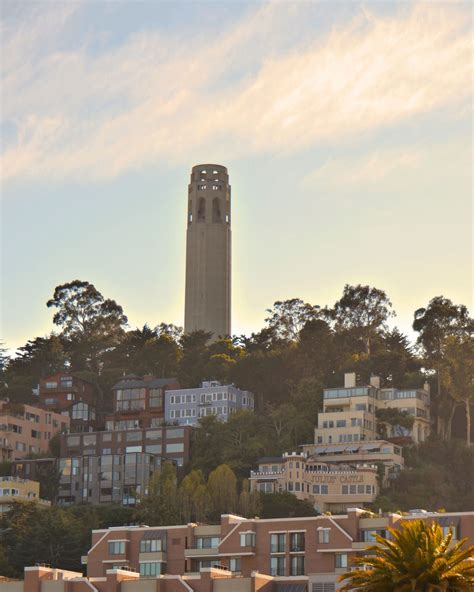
x: 335, y: 449
x: 293, y: 587
x: 448, y: 521
x: 352, y: 448
x: 154, y: 535
x: 320, y: 451
x: 371, y: 447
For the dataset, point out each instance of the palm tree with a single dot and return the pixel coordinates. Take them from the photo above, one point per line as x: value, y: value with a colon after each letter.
x: 417, y: 557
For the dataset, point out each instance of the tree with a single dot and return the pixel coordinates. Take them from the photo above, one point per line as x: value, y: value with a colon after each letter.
x: 417, y: 557
x: 194, y: 358
x: 222, y: 487
x: 363, y: 311
x: 458, y: 374
x: 440, y: 320
x: 194, y: 497
x: 249, y: 501
x: 288, y: 317
x: 390, y: 419
x: 160, y: 506
x: 285, y: 505
x: 89, y: 322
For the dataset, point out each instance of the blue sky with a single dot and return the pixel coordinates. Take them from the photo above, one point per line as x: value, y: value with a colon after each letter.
x: 346, y: 129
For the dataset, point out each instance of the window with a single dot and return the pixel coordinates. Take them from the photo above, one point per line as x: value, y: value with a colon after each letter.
x: 70, y: 397
x: 20, y: 446
x: 116, y: 547
x: 235, y: 564
x: 297, y: 566
x: 341, y: 423
x: 297, y: 544
x: 171, y: 448
x: 36, y: 434
x: 266, y: 487
x: 324, y: 490
x: 152, y: 546
x: 51, y: 385
x: 345, y: 489
x: 151, y: 568
x: 277, y: 566
x: 247, y: 539
x: 277, y: 543
x: 207, y: 542
x: 65, y: 381
x: 130, y: 399
x: 341, y: 560
x: 323, y: 536
x: 178, y: 433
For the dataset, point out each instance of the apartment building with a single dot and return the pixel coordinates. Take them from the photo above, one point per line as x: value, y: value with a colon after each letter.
x: 139, y: 402
x: 328, y: 487
x: 187, y: 406
x: 71, y: 396
x: 25, y: 429
x: 16, y: 490
x: 310, y: 552
x: 110, y: 467
x: 304, y: 554
x: 349, y: 412
x: 360, y: 454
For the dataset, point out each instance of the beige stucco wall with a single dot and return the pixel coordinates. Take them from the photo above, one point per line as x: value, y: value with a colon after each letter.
x: 11, y: 586
x: 234, y: 585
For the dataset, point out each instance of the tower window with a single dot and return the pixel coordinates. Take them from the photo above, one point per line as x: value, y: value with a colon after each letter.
x: 216, y: 210
x: 215, y: 172
x: 203, y: 172
x: 201, y: 215
x: 190, y: 218
x: 227, y: 218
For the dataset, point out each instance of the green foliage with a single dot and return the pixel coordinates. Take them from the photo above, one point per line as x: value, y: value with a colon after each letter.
x: 222, y: 487
x: 5, y: 468
x: 284, y: 505
x: 437, y: 474
x: 417, y: 557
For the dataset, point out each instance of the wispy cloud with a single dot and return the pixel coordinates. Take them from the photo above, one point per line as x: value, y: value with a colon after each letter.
x: 155, y: 98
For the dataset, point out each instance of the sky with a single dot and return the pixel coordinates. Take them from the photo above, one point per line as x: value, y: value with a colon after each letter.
x: 346, y: 128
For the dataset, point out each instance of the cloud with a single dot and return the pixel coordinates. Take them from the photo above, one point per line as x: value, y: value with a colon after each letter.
x: 247, y: 90
x: 367, y: 169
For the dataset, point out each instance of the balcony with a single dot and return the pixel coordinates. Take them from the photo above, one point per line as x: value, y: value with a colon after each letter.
x: 196, y: 553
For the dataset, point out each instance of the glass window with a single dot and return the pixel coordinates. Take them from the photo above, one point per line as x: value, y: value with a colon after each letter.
x: 297, y: 544
x: 178, y: 447
x: 247, y: 539
x: 324, y: 490
x: 152, y: 546
x: 297, y: 565
x: 235, y: 564
x: 207, y: 542
x: 341, y: 560
x: 178, y: 433
x: 153, y: 449
x: 277, y: 566
x: 156, y: 397
x: 116, y: 547
x: 151, y: 568
x: 323, y: 536
x: 277, y: 543
x: 130, y: 399
x: 133, y: 436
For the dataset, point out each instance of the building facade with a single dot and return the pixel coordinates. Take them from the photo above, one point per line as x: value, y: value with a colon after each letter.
x: 139, y: 402
x: 328, y: 487
x: 309, y: 551
x: 208, y: 251
x: 187, y: 406
x: 349, y: 412
x: 74, y: 397
x: 16, y: 490
x: 25, y: 429
x: 305, y: 554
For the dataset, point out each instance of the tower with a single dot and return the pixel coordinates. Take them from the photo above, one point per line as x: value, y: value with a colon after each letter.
x: 208, y: 251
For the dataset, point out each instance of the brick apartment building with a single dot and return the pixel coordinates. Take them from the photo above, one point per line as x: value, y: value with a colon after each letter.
x: 25, y: 429
x: 72, y: 396
x: 238, y: 555
x: 139, y: 402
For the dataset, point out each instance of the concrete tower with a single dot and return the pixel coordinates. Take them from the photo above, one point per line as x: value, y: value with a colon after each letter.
x: 208, y: 251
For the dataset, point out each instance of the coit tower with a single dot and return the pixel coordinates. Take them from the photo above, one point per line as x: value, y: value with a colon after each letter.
x: 208, y: 251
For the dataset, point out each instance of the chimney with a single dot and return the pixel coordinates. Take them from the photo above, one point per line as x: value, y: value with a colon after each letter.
x: 375, y: 381
x: 349, y: 380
